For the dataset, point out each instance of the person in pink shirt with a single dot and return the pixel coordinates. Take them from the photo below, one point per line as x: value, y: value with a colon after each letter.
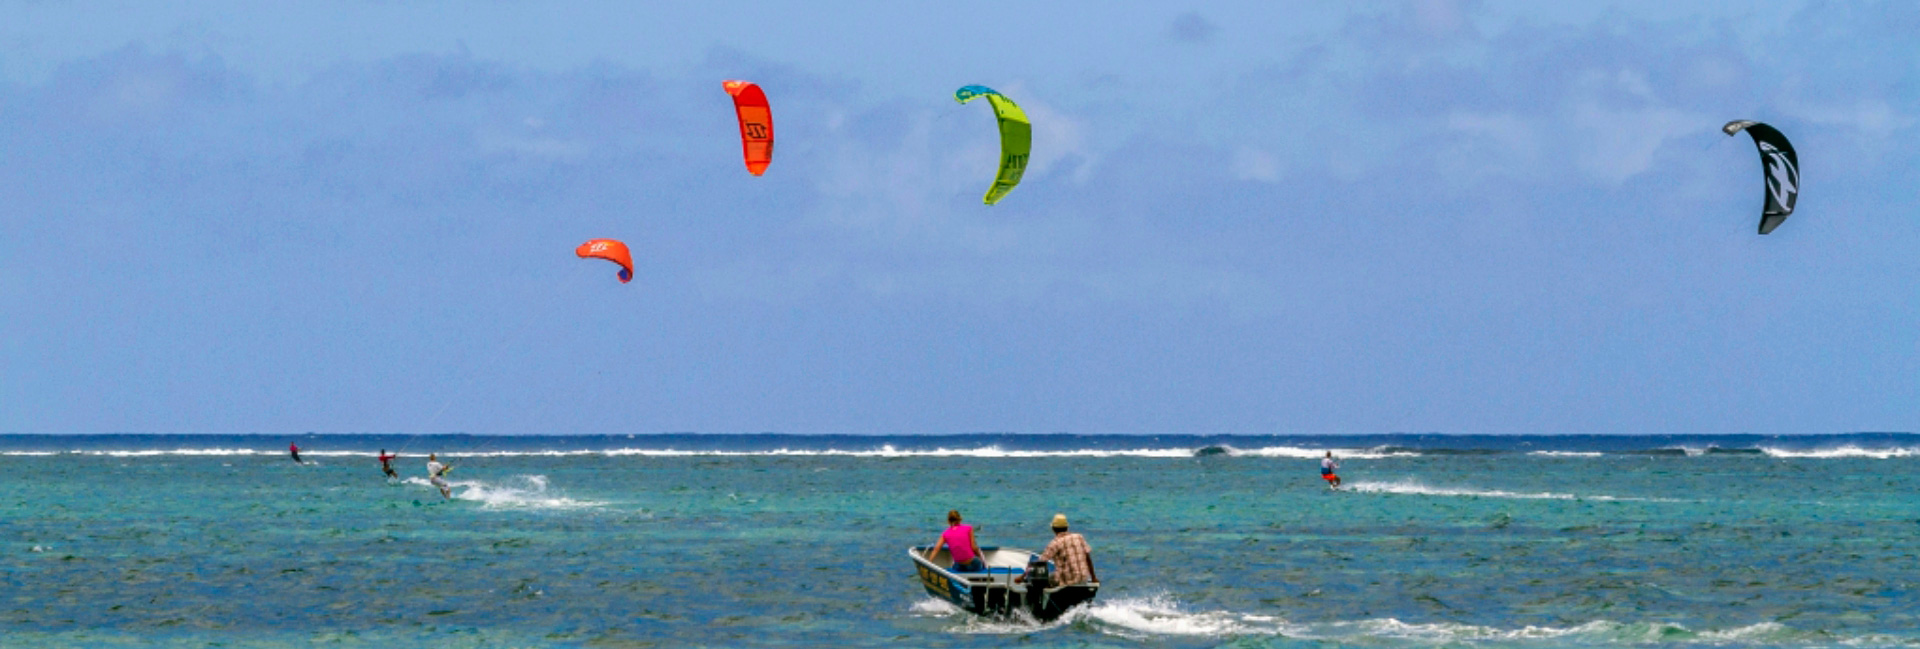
x: 960, y: 544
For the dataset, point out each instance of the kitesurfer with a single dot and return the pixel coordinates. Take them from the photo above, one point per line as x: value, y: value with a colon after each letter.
x: 294, y: 449
x: 436, y: 473
x: 1071, y: 556
x: 386, y: 464
x: 960, y: 543
x: 1327, y: 465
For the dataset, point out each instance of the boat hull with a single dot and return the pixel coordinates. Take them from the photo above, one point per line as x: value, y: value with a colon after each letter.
x: 995, y: 593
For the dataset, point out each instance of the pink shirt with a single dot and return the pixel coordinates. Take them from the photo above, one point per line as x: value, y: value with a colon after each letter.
x: 959, y: 539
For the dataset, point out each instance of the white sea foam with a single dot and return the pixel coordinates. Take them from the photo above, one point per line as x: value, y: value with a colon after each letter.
x: 1842, y: 452
x: 1161, y: 615
x: 181, y: 451
x: 889, y: 451
x: 1453, y: 632
x: 1315, y: 453
x: 1155, y: 616
x: 934, y: 607
x: 1756, y: 632
x: 1597, y: 632
x: 1415, y: 487
x: 190, y: 452
x: 521, y: 491
x: 516, y: 492
x: 1138, y: 618
x: 885, y: 451
x: 990, y: 452
x: 1711, y: 449
x: 1393, y: 628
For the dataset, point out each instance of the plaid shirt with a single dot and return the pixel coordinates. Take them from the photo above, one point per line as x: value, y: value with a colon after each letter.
x: 1071, y: 557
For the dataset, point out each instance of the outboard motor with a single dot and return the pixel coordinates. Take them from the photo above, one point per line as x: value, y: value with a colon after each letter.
x: 1039, y: 578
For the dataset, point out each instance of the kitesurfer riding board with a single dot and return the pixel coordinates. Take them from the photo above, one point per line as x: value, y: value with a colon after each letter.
x: 435, y: 475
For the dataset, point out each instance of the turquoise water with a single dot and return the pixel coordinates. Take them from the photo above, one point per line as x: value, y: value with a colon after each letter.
x: 202, y: 544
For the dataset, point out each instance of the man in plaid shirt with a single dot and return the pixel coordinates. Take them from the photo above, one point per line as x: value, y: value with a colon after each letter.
x: 1072, y: 559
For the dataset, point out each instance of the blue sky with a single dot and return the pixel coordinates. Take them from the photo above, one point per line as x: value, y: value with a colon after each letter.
x: 1258, y: 217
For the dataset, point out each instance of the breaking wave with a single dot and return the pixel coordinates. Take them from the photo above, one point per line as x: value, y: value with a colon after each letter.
x: 1842, y: 452
x: 986, y: 446
x: 1310, y: 453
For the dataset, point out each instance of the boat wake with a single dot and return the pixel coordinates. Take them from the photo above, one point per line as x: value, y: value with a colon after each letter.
x: 1134, y: 618
x: 1161, y: 616
x: 1394, y: 632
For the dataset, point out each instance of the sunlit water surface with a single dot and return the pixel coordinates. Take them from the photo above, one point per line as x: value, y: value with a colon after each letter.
x: 196, y: 542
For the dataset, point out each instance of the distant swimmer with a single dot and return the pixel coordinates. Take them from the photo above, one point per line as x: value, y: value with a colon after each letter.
x: 961, y: 545
x: 1327, y: 465
x: 436, y: 474
x: 294, y: 449
x: 386, y: 463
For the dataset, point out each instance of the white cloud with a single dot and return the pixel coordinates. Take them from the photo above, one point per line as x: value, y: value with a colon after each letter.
x: 1874, y: 117
x: 1057, y: 136
x: 1496, y: 142
x: 1618, y: 124
x: 1615, y: 145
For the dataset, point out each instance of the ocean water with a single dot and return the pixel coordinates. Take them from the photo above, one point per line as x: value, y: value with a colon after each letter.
x: 769, y: 540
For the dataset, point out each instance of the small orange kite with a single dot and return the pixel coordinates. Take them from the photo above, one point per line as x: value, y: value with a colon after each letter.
x: 609, y: 250
x: 756, y: 124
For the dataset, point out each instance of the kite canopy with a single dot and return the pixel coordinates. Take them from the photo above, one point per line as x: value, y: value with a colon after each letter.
x: 1016, y: 138
x: 609, y: 250
x: 756, y: 124
x: 1782, y: 170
